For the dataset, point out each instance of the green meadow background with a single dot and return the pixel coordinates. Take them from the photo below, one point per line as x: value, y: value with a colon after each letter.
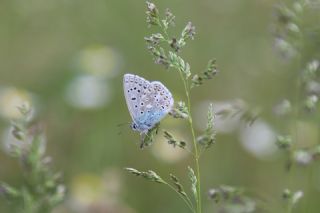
x: 68, y: 58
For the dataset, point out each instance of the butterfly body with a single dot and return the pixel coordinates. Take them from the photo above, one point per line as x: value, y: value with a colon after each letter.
x: 148, y: 102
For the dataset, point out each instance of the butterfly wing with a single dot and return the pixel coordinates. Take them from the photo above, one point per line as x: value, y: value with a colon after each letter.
x: 157, y: 102
x: 133, y: 87
x: 147, y: 102
x: 162, y: 97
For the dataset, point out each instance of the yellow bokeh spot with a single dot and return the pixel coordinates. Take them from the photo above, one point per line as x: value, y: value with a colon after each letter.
x: 10, y: 100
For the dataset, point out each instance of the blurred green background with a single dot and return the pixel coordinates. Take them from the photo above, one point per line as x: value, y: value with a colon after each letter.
x: 68, y: 57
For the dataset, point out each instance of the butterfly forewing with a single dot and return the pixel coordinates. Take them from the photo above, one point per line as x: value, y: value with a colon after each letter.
x: 134, y: 86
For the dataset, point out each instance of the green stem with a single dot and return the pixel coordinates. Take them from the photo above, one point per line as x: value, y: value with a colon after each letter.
x: 185, y: 199
x: 167, y: 37
x: 196, y: 154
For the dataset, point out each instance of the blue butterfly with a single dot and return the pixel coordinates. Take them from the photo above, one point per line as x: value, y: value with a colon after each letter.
x: 148, y: 102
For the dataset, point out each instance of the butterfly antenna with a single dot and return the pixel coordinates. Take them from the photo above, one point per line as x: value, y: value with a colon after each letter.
x: 122, y: 124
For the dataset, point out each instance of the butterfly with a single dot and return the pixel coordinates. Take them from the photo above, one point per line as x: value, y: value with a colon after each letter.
x: 148, y: 102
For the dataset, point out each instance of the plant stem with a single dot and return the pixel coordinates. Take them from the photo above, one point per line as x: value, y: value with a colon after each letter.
x: 196, y: 151
x: 196, y: 154
x: 185, y: 199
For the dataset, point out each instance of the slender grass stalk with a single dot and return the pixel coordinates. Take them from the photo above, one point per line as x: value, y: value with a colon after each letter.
x: 154, y: 177
x: 187, y: 200
x: 196, y: 155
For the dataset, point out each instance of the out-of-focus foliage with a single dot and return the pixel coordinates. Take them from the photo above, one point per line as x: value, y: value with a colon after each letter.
x: 68, y: 58
x: 42, y: 189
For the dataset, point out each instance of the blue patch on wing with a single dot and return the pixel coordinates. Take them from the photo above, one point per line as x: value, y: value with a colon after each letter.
x: 149, y: 119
